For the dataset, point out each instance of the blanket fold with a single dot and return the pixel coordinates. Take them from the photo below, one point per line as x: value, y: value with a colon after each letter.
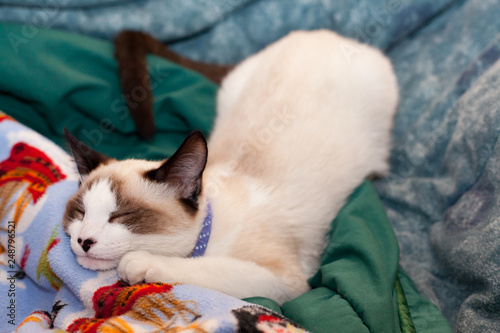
x: 355, y: 288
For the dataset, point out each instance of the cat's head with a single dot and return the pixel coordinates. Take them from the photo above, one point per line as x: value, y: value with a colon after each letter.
x: 130, y: 205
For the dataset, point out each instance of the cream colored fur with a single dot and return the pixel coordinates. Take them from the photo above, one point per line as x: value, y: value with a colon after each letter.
x: 299, y: 126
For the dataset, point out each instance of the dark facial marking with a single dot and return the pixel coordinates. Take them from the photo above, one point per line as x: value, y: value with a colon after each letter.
x: 183, y: 171
x: 138, y: 217
x: 74, y: 210
x: 118, y: 215
x: 86, y: 159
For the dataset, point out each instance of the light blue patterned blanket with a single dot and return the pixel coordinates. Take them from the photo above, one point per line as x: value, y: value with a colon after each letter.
x: 38, y: 177
x: 443, y: 192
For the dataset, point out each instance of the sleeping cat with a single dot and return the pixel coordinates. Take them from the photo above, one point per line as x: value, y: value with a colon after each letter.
x: 299, y: 126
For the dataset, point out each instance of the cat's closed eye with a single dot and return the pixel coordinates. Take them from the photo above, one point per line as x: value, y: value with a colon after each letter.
x: 79, y: 213
x: 116, y: 215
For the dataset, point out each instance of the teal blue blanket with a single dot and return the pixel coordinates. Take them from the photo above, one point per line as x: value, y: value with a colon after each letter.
x: 441, y: 196
x: 359, y: 288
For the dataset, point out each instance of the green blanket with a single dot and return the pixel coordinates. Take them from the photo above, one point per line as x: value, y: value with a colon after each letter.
x: 50, y: 79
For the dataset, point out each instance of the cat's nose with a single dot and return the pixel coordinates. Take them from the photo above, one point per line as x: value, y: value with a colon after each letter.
x: 86, y: 244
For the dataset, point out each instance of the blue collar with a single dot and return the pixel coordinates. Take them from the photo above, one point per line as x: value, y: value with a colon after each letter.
x: 201, y: 244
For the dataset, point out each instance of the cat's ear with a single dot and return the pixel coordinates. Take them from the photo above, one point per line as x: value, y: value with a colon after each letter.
x: 184, y: 169
x: 85, y: 157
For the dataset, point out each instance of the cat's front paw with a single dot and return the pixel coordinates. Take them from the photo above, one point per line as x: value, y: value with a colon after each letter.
x: 140, y: 266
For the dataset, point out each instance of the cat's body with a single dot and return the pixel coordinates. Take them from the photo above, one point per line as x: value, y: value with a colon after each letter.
x: 299, y: 126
